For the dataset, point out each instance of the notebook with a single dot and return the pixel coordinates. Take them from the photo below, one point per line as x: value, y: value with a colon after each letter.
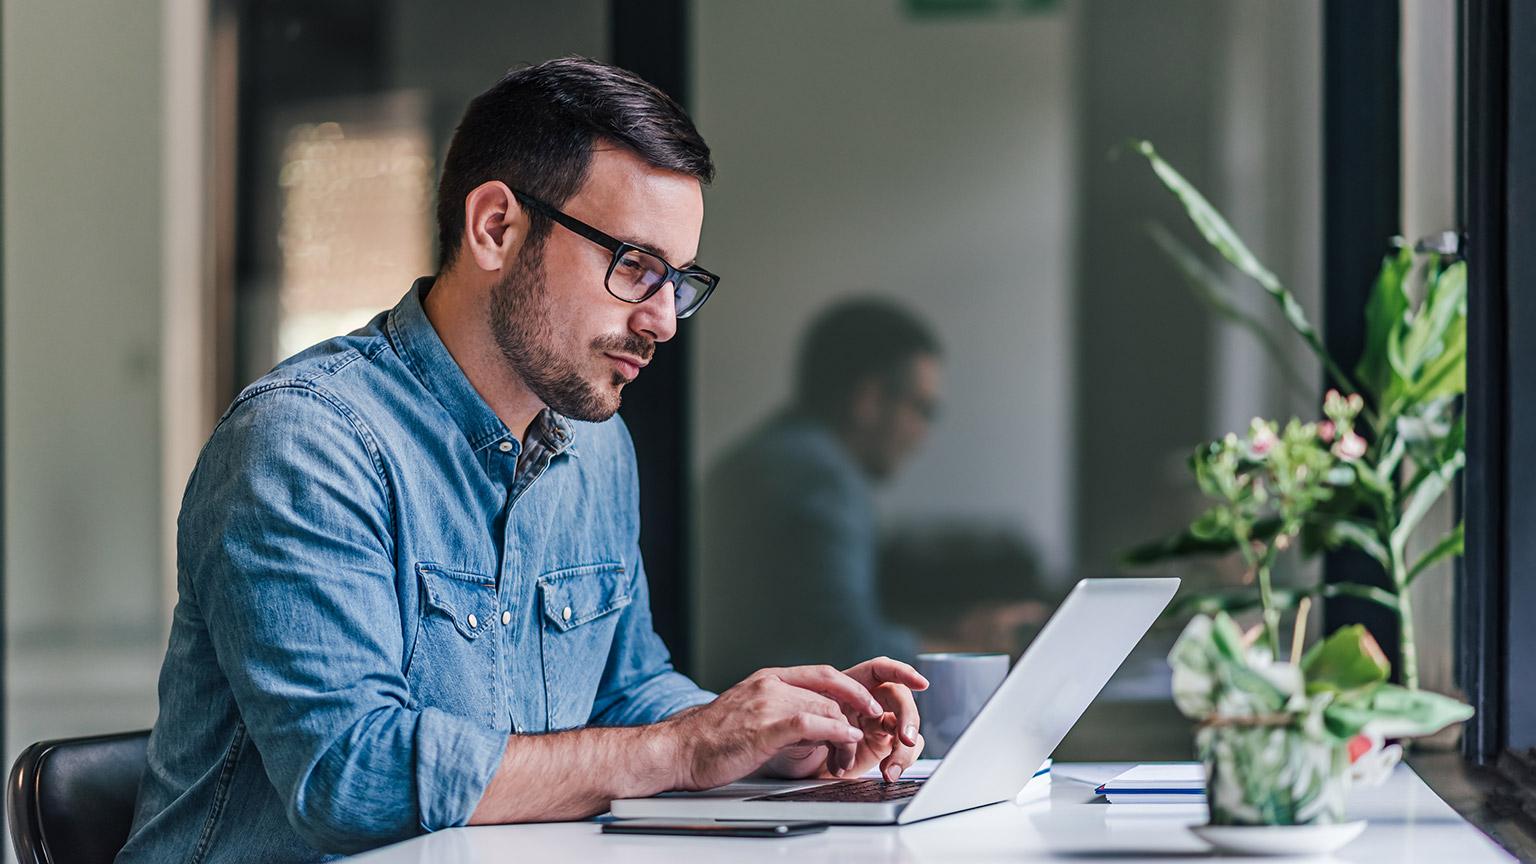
x: 1157, y: 783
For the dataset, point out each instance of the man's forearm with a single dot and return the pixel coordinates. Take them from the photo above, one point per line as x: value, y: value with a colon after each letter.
x: 574, y: 774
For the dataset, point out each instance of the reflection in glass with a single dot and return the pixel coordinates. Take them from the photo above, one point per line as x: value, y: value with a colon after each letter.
x: 789, y: 526
x: 964, y: 588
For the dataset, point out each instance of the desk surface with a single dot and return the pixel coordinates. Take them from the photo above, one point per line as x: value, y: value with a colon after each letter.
x: 1408, y: 823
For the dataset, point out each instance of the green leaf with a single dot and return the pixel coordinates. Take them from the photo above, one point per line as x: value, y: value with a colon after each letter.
x: 1227, y: 639
x: 1210, y: 290
x: 1185, y: 544
x: 1348, y: 660
x: 1445, y: 301
x: 1363, y: 592
x: 1385, y: 313
x: 1453, y: 543
x: 1236, y: 601
x: 1426, y: 425
x: 1191, y: 544
x: 1455, y: 441
x: 1223, y: 239
x: 1362, y: 536
x: 1426, y: 493
x: 1397, y: 712
x: 1446, y: 374
x: 1373, y: 483
x: 1344, y: 721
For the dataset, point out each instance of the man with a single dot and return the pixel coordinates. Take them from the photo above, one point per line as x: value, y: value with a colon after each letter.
x: 406, y: 553
x: 790, y: 540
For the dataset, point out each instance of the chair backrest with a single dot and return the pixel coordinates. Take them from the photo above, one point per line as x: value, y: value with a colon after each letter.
x: 70, y: 800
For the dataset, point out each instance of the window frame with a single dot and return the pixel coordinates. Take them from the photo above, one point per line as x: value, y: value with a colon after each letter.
x: 1497, y: 204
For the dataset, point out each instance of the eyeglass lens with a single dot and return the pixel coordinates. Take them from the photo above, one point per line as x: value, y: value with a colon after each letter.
x: 637, y: 273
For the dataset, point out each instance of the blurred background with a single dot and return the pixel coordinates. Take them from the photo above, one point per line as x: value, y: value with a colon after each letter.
x: 192, y: 195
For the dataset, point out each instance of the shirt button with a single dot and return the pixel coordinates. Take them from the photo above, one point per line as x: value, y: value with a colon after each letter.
x: 565, y: 614
x: 473, y: 622
x: 506, y: 446
x: 506, y: 618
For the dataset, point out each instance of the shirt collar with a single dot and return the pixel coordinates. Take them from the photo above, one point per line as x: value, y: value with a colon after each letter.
x: 429, y: 360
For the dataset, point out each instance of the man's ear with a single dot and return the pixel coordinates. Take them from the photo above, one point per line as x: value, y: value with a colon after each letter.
x: 867, y: 402
x: 494, y: 225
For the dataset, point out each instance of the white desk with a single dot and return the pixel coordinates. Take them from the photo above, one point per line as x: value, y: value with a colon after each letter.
x: 1408, y: 823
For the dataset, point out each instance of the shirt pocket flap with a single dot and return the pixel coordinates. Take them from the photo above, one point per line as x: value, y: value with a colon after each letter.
x: 574, y: 597
x: 467, y: 599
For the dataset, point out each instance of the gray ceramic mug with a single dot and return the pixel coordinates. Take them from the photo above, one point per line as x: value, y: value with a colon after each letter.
x: 958, y: 685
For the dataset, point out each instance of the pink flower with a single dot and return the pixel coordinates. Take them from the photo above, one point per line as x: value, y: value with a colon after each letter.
x: 1326, y: 430
x: 1350, y: 447
x: 1263, y: 440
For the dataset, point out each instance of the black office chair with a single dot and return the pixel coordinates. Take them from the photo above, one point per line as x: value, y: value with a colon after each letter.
x: 70, y: 800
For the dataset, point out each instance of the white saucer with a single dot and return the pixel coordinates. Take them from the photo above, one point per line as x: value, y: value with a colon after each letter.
x: 1279, y: 839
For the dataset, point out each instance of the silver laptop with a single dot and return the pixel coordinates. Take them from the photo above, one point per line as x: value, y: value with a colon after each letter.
x: 1066, y: 666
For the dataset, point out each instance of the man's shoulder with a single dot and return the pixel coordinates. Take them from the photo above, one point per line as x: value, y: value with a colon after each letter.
x: 789, y: 438
x: 345, y: 372
x: 790, y: 450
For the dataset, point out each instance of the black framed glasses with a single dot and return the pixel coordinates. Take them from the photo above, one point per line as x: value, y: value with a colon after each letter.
x: 635, y: 274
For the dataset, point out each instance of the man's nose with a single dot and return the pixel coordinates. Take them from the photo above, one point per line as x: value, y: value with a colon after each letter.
x: 657, y: 316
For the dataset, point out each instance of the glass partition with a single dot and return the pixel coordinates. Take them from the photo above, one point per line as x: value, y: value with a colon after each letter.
x: 948, y: 373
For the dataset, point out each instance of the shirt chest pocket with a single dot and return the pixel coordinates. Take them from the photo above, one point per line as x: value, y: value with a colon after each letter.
x: 453, y: 662
x: 581, y: 608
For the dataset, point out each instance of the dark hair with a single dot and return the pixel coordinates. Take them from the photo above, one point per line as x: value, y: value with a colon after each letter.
x: 852, y: 341
x: 534, y: 130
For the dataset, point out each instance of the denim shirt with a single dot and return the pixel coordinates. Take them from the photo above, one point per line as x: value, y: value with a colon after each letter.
x: 378, y: 584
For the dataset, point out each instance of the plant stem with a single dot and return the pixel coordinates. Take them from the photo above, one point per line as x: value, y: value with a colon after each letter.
x: 1300, y: 634
x: 1271, y: 614
x: 1408, y: 650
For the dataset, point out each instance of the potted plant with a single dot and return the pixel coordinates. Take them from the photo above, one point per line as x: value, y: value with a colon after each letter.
x: 1281, y: 740
x: 1404, y: 437
x: 1275, y: 733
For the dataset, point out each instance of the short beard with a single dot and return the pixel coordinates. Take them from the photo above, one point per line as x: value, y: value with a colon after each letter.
x: 521, y: 325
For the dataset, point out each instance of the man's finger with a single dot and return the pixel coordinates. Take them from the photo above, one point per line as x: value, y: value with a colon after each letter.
x: 811, y: 727
x: 884, y: 670
x: 901, y: 759
x: 897, y: 699
x: 841, y: 758
x: 834, y: 685
x: 904, y: 750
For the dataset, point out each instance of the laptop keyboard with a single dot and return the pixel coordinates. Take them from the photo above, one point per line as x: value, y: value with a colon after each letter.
x: 852, y: 791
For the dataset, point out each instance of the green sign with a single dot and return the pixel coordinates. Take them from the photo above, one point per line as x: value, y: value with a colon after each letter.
x: 978, y: 8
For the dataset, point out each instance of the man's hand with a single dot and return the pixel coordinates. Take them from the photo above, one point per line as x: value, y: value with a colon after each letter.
x: 809, y: 710
x: 891, y: 739
x: 797, y: 722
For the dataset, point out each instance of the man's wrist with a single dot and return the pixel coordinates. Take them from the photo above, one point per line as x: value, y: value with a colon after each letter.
x: 668, y: 750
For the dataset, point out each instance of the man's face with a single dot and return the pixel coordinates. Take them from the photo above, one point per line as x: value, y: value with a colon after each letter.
x: 572, y: 343
x: 905, y: 409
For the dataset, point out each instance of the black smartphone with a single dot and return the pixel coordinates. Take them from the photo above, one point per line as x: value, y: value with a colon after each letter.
x: 713, y: 827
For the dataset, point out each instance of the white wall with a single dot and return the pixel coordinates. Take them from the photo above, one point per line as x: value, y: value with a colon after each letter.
x: 83, y: 239
x: 860, y: 150
x: 82, y: 198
